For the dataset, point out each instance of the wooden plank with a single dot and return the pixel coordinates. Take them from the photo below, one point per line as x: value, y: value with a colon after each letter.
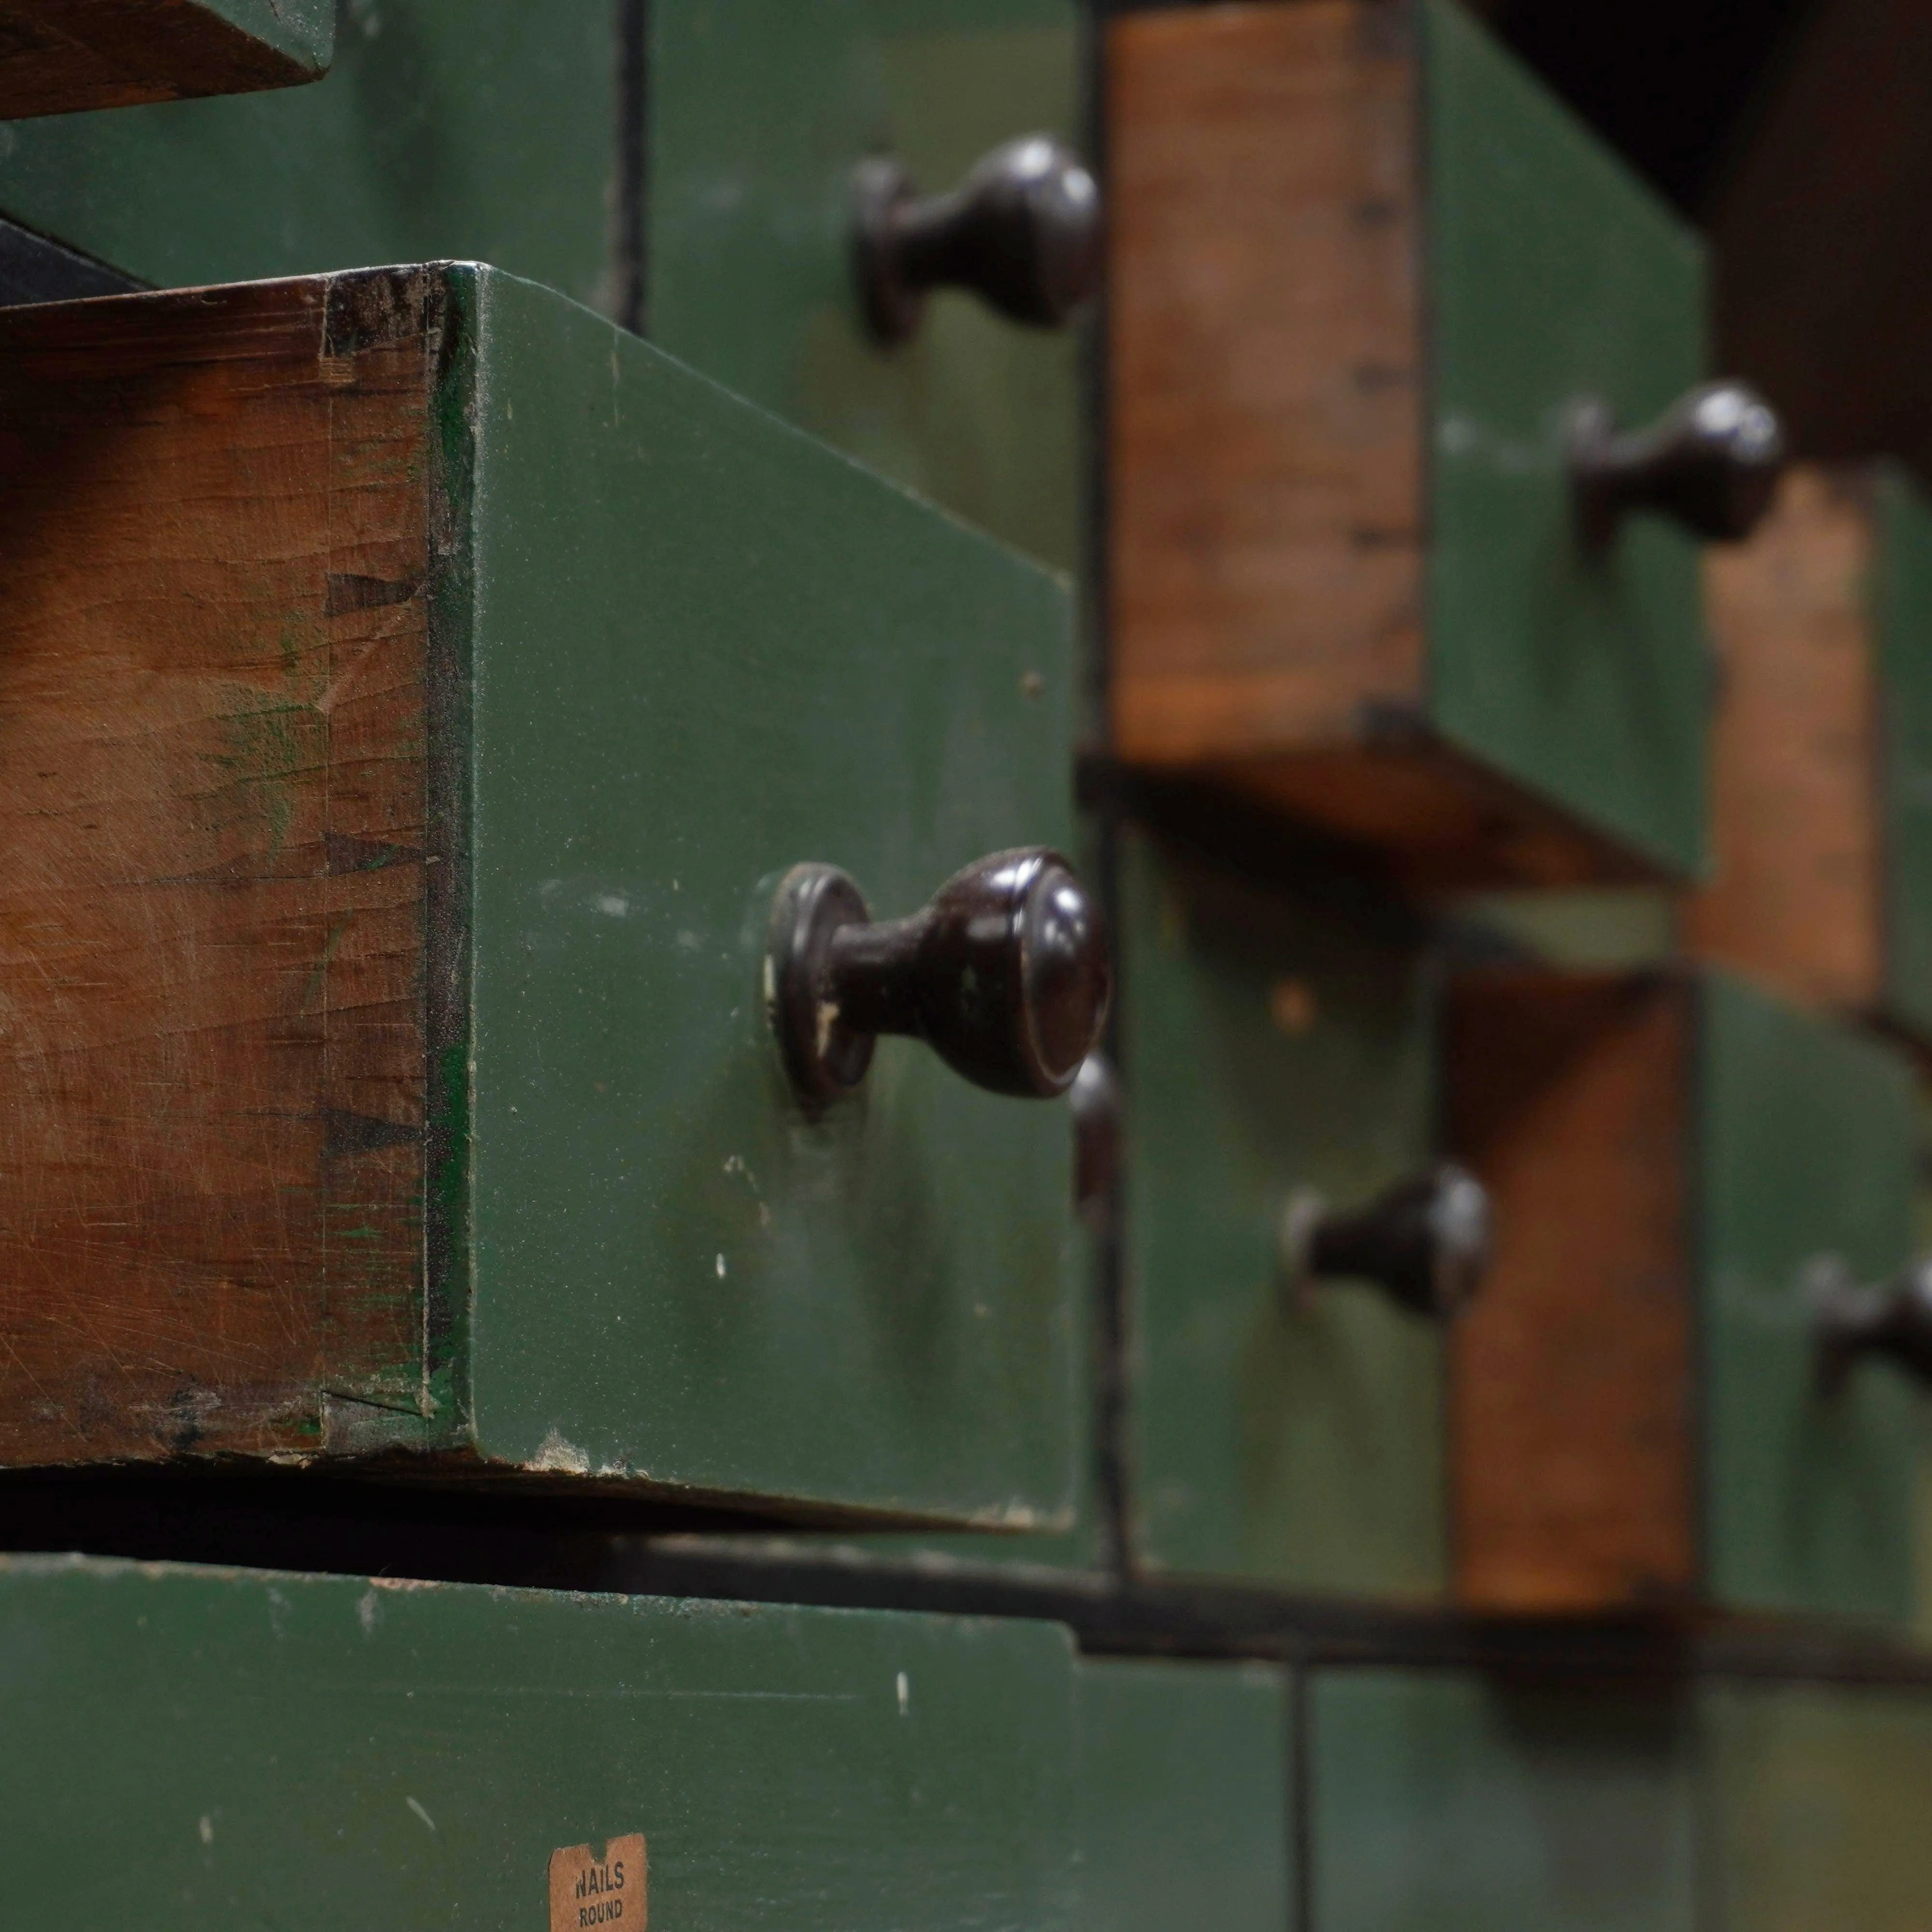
x: 1573, y: 1428
x: 64, y: 56
x: 1797, y: 896
x: 1266, y: 353
x: 212, y: 782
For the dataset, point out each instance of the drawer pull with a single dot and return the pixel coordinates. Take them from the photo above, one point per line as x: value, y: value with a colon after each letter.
x: 1893, y: 1319
x: 1424, y: 1242
x: 1712, y: 462
x: 1022, y: 231
x: 1003, y: 972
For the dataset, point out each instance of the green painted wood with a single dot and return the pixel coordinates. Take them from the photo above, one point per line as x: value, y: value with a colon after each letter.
x: 1185, y: 1796
x: 1271, y: 1043
x: 186, y: 1748
x: 1440, y: 1802
x: 1821, y: 1804
x: 466, y: 130
x: 760, y: 110
x: 702, y: 648
x: 1902, y: 600
x: 1807, y: 1137
x: 1555, y: 275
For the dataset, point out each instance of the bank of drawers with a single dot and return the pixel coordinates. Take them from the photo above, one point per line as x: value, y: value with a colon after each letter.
x: 460, y: 678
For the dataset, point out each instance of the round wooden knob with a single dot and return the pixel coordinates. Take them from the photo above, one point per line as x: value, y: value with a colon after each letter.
x: 1712, y: 462
x: 1022, y: 231
x: 1004, y: 973
x: 1892, y: 1320
x: 1425, y: 1242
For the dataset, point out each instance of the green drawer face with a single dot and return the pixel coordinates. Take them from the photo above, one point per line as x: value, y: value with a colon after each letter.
x: 543, y: 660
x: 1902, y: 613
x: 1822, y: 1805
x: 1554, y: 275
x: 760, y: 111
x: 1186, y: 1801
x: 463, y: 129
x: 1808, y: 1136
x: 1271, y: 1043
x: 312, y: 1753
x: 1445, y: 1802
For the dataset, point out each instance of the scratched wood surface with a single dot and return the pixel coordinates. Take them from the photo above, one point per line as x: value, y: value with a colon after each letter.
x: 1266, y: 344
x: 1797, y: 897
x: 212, y: 651
x: 1573, y: 1421
x: 65, y: 56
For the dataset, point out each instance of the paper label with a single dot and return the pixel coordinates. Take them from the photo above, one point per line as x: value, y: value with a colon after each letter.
x: 603, y: 1886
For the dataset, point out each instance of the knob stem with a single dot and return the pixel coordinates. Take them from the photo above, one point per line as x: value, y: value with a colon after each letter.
x: 1710, y: 463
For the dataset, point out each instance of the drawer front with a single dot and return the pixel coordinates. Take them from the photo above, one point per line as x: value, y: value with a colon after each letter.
x: 1902, y: 614
x: 1445, y: 1802
x: 1554, y: 277
x: 545, y: 660
x: 1821, y: 1804
x: 463, y: 129
x: 57, y: 60
x: 1271, y: 1043
x: 760, y: 110
x: 309, y: 1752
x: 1808, y: 1149
x: 1185, y: 1796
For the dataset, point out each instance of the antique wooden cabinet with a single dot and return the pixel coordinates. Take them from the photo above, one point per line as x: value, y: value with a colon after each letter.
x: 419, y: 696
x: 1822, y: 793
x: 62, y: 56
x: 1670, y: 1389
x: 315, y: 1752
x: 1186, y: 1806
x: 1445, y: 1800
x: 1278, y: 1048
x: 1378, y: 554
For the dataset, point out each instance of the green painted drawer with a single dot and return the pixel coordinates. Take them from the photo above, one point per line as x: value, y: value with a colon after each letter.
x: 465, y: 129
x: 537, y: 661
x: 760, y: 111
x: 1639, y: 1415
x: 193, y: 1747
x: 1821, y: 1805
x: 1448, y: 1802
x: 1272, y: 1041
x: 56, y: 58
x: 1365, y: 269
x: 1186, y: 1803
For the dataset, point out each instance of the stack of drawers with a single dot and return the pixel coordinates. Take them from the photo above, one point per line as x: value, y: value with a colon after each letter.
x: 843, y: 1092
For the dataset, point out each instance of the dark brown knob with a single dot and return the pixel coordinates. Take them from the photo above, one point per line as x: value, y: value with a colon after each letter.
x: 1004, y: 973
x: 1892, y: 1320
x: 1095, y: 1102
x: 1712, y: 462
x: 1425, y: 1242
x: 1022, y: 231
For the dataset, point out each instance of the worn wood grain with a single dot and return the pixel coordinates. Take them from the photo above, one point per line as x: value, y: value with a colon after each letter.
x: 1797, y: 896
x: 65, y: 56
x: 1573, y: 1380
x: 213, y: 547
